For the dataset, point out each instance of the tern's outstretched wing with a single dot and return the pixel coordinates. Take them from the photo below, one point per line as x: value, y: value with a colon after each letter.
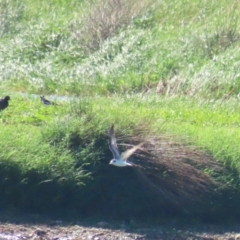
x: 125, y: 155
x: 113, y: 143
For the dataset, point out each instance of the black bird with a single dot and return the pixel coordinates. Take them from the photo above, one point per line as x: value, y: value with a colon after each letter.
x: 4, y: 102
x: 46, y: 102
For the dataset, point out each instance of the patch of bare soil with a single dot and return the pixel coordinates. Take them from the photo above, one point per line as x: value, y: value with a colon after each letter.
x: 56, y: 230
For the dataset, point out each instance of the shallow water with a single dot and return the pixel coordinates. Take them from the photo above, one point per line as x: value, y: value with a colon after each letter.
x: 49, y: 97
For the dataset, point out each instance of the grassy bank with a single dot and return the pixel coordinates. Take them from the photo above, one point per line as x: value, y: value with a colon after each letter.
x: 70, y: 48
x: 163, y: 72
x: 57, y: 157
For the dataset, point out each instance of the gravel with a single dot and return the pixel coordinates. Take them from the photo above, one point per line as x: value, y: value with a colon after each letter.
x: 57, y: 230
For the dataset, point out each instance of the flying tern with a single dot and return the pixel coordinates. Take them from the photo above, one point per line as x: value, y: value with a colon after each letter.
x: 120, y: 159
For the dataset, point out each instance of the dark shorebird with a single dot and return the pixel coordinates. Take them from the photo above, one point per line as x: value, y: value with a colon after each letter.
x: 4, y: 102
x: 46, y: 102
x: 120, y: 159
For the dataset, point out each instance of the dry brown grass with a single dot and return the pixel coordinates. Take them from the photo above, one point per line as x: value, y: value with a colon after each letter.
x: 105, y: 20
x: 181, y: 176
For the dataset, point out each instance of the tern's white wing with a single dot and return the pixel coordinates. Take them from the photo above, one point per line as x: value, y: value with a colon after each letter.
x: 113, y: 143
x: 125, y: 155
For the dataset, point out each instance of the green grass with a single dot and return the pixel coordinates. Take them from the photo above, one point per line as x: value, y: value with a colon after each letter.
x: 192, y: 47
x: 165, y: 68
x: 63, y: 149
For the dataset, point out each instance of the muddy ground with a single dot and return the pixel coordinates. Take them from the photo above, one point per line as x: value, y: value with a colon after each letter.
x: 37, y: 228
